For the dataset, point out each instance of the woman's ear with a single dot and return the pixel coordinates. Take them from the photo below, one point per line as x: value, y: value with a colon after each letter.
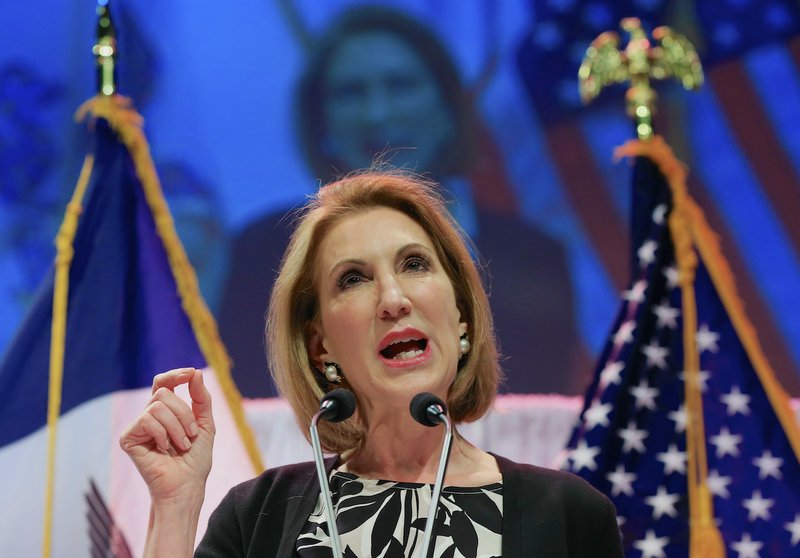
x: 315, y: 345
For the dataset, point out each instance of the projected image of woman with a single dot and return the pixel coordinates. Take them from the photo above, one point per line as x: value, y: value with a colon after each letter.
x: 380, y: 84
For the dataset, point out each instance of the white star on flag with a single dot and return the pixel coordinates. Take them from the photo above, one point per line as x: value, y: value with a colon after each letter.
x: 768, y: 466
x: 647, y: 253
x: 794, y: 529
x: 644, y: 395
x: 611, y: 373
x: 758, y: 506
x: 656, y: 355
x: 673, y: 460
x: 625, y: 333
x: 583, y: 457
x: 672, y: 275
x: 652, y: 546
x: 726, y: 443
x: 663, y: 503
x: 706, y: 340
x: 632, y: 438
x: 679, y: 417
x: 736, y: 402
x: 621, y: 481
x: 659, y: 212
x: 747, y: 547
x: 666, y: 315
x: 636, y: 293
x: 718, y: 485
x: 597, y: 414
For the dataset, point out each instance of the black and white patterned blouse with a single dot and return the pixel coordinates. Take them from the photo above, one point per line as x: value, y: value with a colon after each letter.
x: 386, y: 519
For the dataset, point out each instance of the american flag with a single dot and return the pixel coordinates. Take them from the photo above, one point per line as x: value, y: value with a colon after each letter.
x: 734, y: 132
x: 630, y: 442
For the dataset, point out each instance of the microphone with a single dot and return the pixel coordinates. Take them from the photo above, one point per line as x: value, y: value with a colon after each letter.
x: 336, y: 406
x: 429, y: 410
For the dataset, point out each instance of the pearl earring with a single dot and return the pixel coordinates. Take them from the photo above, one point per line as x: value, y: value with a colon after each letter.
x: 464, y: 345
x: 332, y: 372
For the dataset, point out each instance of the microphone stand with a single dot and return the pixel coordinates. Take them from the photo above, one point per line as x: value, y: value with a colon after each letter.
x: 437, y: 486
x: 336, y: 545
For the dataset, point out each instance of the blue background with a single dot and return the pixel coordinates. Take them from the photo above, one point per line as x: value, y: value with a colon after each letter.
x: 215, y: 83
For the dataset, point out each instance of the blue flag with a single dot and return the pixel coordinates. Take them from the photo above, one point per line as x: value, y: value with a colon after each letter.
x: 631, y: 440
x: 125, y: 323
x: 125, y: 314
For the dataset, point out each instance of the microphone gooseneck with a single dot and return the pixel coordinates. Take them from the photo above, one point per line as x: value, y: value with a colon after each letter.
x: 336, y: 406
x: 429, y: 410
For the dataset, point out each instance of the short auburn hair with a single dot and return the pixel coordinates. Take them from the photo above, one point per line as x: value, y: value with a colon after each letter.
x: 294, y: 303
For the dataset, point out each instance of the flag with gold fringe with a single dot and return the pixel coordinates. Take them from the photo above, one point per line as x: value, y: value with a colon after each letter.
x: 121, y: 305
x: 684, y: 426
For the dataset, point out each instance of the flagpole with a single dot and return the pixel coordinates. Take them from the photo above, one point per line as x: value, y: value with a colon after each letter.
x: 105, y: 52
x: 64, y: 253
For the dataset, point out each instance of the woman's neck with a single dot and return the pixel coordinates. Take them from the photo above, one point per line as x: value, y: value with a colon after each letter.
x: 410, y: 452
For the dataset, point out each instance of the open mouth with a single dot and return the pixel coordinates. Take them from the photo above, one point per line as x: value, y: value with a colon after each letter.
x: 404, y: 349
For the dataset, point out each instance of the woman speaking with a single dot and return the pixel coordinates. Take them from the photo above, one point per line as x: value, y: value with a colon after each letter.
x: 378, y: 294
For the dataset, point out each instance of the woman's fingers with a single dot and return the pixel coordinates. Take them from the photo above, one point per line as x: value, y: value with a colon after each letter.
x: 157, y: 425
x: 179, y: 409
x: 163, y: 413
x: 168, y: 421
x: 152, y: 429
x: 201, y: 401
x: 143, y: 432
x: 173, y: 378
x: 200, y: 413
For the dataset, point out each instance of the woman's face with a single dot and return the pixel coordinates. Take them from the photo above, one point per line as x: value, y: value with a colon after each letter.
x: 380, y: 96
x: 388, y: 313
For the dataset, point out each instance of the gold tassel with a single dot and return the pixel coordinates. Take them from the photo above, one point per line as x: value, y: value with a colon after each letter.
x: 705, y: 539
x: 706, y: 542
x: 58, y: 335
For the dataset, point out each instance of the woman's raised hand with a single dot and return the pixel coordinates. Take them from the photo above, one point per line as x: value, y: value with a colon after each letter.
x: 170, y: 443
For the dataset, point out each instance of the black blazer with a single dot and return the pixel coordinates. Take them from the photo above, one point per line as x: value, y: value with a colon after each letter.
x: 546, y: 514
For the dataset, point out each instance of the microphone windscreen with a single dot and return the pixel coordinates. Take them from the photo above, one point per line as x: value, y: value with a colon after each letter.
x: 419, y: 408
x: 344, y: 407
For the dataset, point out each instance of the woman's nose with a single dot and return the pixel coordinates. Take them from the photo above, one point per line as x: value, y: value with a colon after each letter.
x: 376, y: 104
x: 393, y: 301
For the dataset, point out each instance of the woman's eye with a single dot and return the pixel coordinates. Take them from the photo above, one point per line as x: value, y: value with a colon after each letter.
x: 349, y: 279
x: 417, y: 263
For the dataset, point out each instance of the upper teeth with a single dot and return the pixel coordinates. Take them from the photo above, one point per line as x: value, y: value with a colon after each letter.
x: 395, y: 342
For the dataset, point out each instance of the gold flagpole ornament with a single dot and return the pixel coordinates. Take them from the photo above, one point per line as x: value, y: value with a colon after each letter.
x: 605, y: 64
x: 105, y: 50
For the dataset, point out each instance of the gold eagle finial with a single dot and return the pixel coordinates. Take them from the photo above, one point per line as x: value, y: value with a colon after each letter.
x: 605, y: 64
